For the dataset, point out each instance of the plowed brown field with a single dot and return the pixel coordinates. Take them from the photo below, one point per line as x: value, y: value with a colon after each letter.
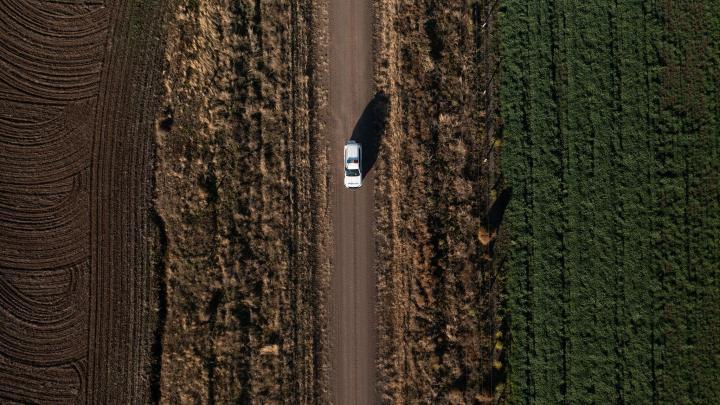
x: 77, y: 103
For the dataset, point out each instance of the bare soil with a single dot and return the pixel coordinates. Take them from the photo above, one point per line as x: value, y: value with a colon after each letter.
x: 78, y: 88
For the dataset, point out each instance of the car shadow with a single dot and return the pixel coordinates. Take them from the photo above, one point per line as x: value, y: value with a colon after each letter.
x: 369, y: 129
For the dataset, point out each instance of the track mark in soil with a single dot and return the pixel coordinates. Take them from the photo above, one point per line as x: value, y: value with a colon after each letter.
x: 74, y: 168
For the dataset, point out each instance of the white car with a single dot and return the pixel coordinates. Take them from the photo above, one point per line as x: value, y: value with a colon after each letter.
x: 353, y: 164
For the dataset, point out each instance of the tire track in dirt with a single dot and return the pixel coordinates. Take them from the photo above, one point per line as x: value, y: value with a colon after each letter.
x: 44, y: 154
x: 122, y: 283
x: 76, y: 116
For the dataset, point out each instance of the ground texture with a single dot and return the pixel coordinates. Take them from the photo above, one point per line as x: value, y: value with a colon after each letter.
x: 241, y: 196
x: 434, y: 183
x: 78, y: 85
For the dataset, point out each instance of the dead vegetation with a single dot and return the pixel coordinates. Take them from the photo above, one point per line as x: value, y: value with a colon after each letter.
x: 241, y: 194
x: 436, y: 181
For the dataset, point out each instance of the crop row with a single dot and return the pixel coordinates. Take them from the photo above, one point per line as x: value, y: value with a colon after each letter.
x: 611, y: 152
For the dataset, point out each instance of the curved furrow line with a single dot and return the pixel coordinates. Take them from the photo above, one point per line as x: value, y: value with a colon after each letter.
x: 48, y: 222
x: 31, y: 345
x: 53, y: 155
x: 52, y: 217
x: 21, y: 47
x: 48, y: 349
x: 60, y: 159
x: 57, y: 317
x: 23, y: 251
x: 51, y: 58
x: 52, y: 291
x: 78, y: 63
x: 61, y: 230
x: 34, y: 17
x: 21, y: 176
x: 64, y: 8
x: 28, y: 384
x: 35, y: 197
x: 32, y: 212
x: 38, y: 224
x: 10, y: 94
x: 50, y: 90
x: 45, y: 66
x: 54, y: 336
x: 38, y: 210
x: 78, y: 84
x: 52, y: 322
x: 18, y: 117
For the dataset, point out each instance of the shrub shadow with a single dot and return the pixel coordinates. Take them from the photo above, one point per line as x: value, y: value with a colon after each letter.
x: 497, y: 211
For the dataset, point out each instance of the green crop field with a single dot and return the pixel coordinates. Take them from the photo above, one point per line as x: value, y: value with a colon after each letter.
x: 612, y: 152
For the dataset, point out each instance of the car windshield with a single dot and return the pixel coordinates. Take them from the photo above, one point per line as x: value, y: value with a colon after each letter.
x: 352, y: 172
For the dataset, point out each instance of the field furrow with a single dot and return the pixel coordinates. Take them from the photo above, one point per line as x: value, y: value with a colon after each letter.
x: 78, y: 91
x: 611, y: 131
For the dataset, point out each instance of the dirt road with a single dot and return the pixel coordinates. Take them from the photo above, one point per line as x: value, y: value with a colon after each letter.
x: 353, y: 280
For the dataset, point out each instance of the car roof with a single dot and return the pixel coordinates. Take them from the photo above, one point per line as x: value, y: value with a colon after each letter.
x: 353, y: 147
